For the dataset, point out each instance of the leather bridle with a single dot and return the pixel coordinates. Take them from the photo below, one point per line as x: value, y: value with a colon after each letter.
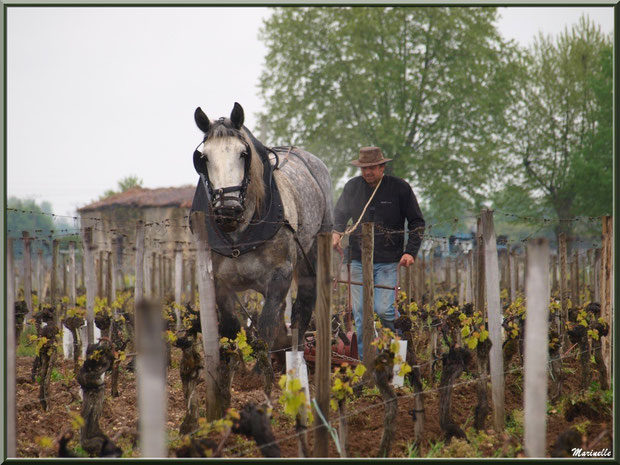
x: 219, y: 195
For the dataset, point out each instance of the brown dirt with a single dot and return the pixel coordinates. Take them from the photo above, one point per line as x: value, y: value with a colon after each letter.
x: 365, y: 427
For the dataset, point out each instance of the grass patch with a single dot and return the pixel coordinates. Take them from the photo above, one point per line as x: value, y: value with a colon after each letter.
x: 26, y: 348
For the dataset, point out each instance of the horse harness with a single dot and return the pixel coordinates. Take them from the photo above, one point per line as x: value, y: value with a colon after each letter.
x: 259, y: 230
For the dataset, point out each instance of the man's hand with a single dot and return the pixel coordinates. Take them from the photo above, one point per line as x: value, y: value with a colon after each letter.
x: 406, y: 260
x: 336, y: 237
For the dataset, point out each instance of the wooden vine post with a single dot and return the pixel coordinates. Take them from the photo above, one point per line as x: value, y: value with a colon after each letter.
x: 480, y: 284
x: 516, y: 271
x: 192, y: 275
x: 208, y: 317
x: 575, y: 278
x: 589, y: 284
x: 27, y: 272
x: 536, y: 348
x: 469, y: 275
x: 606, y: 291
x: 154, y: 274
x: 72, y: 289
x: 162, y: 272
x: 423, y: 278
x: 110, y: 287
x: 54, y: 278
x: 554, y: 272
x: 65, y: 279
x: 139, y: 282
x: 323, y: 342
x: 368, y: 299
x: 100, y: 275
x: 513, y: 281
x: 11, y: 417
x: 178, y: 281
x: 118, y: 261
x: 151, y: 379
x: 496, y: 358
x: 457, y: 278
x: 563, y: 285
x: 40, y: 276
x: 431, y: 273
x: 89, y: 271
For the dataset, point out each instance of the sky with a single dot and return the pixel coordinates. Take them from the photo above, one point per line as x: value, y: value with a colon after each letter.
x: 98, y: 94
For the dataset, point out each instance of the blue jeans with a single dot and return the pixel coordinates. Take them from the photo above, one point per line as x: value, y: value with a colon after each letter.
x: 384, y: 274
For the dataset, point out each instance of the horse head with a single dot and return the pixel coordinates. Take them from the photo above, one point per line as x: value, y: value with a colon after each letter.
x: 229, y: 164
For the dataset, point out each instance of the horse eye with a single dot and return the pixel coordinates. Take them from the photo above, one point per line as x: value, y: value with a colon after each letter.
x: 244, y: 154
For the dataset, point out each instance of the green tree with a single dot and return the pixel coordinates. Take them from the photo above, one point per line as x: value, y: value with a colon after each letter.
x: 562, y: 137
x: 123, y: 185
x: 37, y: 219
x: 430, y: 86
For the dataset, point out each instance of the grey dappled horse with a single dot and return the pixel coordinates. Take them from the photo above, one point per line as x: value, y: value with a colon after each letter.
x: 260, y: 237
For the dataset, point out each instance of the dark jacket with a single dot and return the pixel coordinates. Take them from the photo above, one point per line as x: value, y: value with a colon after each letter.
x: 392, y: 204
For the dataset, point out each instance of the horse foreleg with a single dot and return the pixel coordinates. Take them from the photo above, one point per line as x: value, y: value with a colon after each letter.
x: 229, y: 325
x: 272, y: 315
x: 301, y: 314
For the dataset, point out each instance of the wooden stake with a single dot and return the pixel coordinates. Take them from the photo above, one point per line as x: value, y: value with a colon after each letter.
x: 208, y: 317
x: 480, y: 275
x: 457, y: 277
x: 423, y: 277
x: 511, y: 281
x: 192, y: 291
x: 151, y: 379
x: 554, y: 272
x: 516, y: 272
x: 100, y: 276
x: 65, y: 278
x: 431, y: 274
x: 54, y: 283
x: 323, y: 341
x: 89, y: 271
x: 40, y: 276
x: 11, y: 438
x: 368, y: 327
x: 118, y: 261
x: 153, y: 266
x: 469, y: 267
x: 178, y: 281
x: 563, y: 284
x: 147, y: 269
x: 606, y: 305
x: 139, y: 284
x: 27, y: 273
x: 597, y: 272
x: 536, y: 348
x: 72, y: 290
x: 111, y: 294
x: 494, y: 318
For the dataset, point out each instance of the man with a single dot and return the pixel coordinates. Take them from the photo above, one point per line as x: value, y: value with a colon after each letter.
x: 393, y: 203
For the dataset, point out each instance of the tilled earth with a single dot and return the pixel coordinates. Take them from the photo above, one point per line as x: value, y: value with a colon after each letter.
x: 38, y: 430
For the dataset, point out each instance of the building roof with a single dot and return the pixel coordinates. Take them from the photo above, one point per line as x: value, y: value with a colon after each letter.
x: 139, y: 197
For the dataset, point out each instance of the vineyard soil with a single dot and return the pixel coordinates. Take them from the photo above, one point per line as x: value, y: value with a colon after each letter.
x: 38, y: 430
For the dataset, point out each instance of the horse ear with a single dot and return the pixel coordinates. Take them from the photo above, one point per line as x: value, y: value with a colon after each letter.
x: 236, y: 116
x: 201, y: 120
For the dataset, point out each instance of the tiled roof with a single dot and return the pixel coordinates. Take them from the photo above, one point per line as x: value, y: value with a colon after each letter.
x: 138, y: 197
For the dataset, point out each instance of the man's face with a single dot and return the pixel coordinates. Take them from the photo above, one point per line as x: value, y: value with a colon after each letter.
x: 373, y: 174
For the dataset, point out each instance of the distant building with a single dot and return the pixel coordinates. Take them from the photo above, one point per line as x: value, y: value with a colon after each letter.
x: 164, y: 212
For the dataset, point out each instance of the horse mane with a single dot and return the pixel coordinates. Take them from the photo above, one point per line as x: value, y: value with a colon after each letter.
x: 256, y: 189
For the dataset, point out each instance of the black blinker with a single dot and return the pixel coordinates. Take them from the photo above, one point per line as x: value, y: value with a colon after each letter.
x: 200, y: 164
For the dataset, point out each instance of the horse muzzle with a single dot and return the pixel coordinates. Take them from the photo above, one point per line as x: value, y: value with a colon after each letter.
x: 228, y: 217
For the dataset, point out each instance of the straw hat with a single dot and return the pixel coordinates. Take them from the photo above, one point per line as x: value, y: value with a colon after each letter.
x: 370, y: 156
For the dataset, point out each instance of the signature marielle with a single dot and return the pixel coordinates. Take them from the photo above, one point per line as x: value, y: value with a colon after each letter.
x: 578, y: 452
